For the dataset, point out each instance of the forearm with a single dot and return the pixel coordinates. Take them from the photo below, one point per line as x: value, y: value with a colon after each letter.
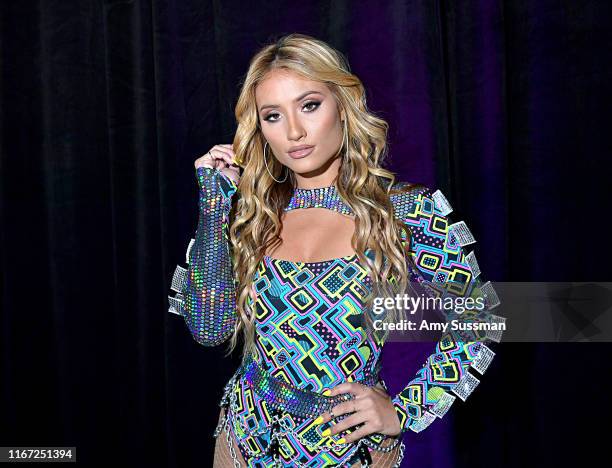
x: 207, y: 293
x: 444, y: 377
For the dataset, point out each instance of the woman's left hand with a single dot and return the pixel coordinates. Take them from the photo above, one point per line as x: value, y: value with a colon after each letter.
x: 372, y: 407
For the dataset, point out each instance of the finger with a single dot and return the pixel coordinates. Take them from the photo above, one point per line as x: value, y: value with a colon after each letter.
x: 363, y: 391
x: 211, y: 156
x: 345, y: 407
x: 218, y: 156
x: 346, y: 387
x: 347, y: 423
x: 229, y: 149
x: 228, y: 155
x: 230, y: 158
x: 232, y: 155
x: 356, y: 435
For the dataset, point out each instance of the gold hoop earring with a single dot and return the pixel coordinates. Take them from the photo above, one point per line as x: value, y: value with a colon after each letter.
x: 268, y: 169
x: 345, y: 139
x: 292, y: 177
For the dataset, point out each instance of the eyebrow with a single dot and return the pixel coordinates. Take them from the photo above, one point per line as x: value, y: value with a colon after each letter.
x: 299, y: 98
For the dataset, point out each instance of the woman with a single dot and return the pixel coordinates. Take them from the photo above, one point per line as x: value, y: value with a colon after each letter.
x: 290, y: 253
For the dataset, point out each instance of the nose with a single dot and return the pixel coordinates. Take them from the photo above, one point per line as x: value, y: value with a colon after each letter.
x: 295, y: 130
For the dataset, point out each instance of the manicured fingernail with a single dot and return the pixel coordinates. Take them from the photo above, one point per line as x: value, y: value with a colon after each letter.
x: 342, y: 440
x: 319, y: 420
x: 326, y: 432
x: 327, y: 392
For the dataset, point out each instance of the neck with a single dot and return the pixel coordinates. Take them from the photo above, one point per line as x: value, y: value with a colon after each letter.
x: 323, y: 177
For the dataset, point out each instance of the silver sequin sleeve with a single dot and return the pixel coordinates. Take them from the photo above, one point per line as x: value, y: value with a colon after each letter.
x: 205, y: 290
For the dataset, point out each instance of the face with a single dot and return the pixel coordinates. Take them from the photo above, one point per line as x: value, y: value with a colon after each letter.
x: 294, y: 111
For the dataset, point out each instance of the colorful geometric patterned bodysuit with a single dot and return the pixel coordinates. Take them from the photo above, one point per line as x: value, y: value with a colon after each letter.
x: 309, y: 330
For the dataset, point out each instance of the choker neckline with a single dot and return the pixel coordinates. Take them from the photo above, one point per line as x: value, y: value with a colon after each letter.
x: 307, y: 191
x: 318, y: 197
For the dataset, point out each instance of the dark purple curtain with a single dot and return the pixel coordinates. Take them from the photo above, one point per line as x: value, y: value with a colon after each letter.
x: 105, y: 104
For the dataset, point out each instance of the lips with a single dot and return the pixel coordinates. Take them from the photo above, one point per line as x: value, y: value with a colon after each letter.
x: 302, y: 152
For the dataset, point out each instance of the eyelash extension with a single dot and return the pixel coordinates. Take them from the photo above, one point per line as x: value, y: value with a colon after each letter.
x: 316, y: 103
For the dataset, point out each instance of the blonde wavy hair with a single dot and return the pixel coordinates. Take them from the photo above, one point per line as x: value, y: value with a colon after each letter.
x: 255, y: 219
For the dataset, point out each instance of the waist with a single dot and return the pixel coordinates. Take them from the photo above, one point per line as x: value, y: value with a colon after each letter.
x: 284, y: 396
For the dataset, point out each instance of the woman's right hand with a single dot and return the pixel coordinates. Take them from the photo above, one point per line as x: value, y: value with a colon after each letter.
x: 221, y: 157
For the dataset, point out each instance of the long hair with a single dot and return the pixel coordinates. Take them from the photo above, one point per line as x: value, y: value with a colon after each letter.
x: 362, y: 183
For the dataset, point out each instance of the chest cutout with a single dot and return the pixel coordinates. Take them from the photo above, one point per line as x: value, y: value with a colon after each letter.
x: 314, y: 235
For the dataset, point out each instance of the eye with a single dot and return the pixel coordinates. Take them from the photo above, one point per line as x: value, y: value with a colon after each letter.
x: 316, y: 105
x: 271, y: 114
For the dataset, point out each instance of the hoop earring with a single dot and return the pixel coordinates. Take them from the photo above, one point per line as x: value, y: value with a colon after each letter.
x: 268, y: 169
x: 345, y: 139
x: 292, y: 177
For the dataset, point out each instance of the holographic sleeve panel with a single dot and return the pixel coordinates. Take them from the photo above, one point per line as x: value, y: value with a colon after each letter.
x: 437, y: 247
x: 206, y: 291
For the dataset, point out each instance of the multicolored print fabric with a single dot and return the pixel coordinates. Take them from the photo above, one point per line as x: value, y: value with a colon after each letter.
x: 309, y: 333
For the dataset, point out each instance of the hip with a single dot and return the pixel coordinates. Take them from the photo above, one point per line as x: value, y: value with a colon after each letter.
x: 270, y: 429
